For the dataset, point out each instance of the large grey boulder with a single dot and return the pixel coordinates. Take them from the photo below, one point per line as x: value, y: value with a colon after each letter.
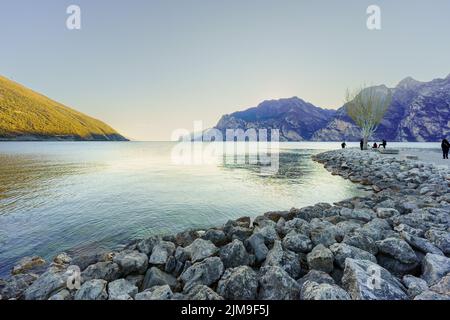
x: 156, y: 277
x: 131, y: 262
x: 106, y: 270
x: 269, y: 234
x: 161, y: 252
x: 155, y: 293
x: 362, y: 242
x: 50, y: 282
x: 146, y: 246
x: 62, y: 295
x: 316, y: 276
x: 320, y: 258
x: 285, y: 259
x: 397, y: 249
x: 365, y: 280
x: 276, y: 284
x: 322, y: 291
x: 202, y: 292
x: 297, y: 242
x: 323, y: 235
x: 298, y: 225
x: 239, y: 283
x: 234, y: 254
x: 258, y: 247
x: 201, y: 249
x: 414, y: 285
x: 420, y: 244
x: 440, y: 239
x: 342, y: 251
x: 442, y: 286
x: 121, y: 289
x: 216, y: 236
x: 431, y: 295
x: 92, y: 290
x: 358, y: 214
x: 204, y: 272
x: 434, y: 267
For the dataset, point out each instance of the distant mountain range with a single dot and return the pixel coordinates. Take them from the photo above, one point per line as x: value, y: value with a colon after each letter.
x: 420, y: 111
x: 30, y: 116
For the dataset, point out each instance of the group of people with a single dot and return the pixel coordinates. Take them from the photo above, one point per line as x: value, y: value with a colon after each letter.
x: 445, y: 145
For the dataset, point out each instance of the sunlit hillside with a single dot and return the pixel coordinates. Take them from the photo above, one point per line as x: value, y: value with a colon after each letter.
x: 27, y: 115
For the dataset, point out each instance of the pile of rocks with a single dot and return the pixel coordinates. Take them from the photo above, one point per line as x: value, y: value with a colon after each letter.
x: 393, y: 244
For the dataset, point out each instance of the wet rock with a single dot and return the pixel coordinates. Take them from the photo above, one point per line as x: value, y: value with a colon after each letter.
x: 287, y: 260
x: 234, y: 254
x: 434, y: 267
x: 217, y: 237
x: 397, y: 267
x: 121, y: 289
x: 108, y: 271
x: 50, y: 282
x: 342, y: 251
x: 146, y: 246
x: 276, y: 215
x: 85, y: 260
x: 240, y: 233
x: 92, y: 290
x: 28, y: 265
x: 15, y: 286
x: 155, y: 293
x: 258, y: 247
x: 322, y: 291
x: 62, y: 259
x: 297, y: 242
x: 205, y: 272
x: 239, y: 283
x: 320, y: 258
x: 202, y: 292
x: 156, y: 277
x: 276, y: 284
x: 131, y: 262
x: 414, y: 285
x: 365, y: 280
x: 186, y: 238
x: 161, y: 252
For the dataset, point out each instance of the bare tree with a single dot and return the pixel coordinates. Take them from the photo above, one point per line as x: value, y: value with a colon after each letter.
x: 366, y: 107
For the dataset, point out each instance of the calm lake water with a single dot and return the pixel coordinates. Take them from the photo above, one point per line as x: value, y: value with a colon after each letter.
x: 59, y: 196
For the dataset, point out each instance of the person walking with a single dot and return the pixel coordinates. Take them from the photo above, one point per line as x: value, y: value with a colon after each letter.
x: 383, y: 144
x: 445, y: 145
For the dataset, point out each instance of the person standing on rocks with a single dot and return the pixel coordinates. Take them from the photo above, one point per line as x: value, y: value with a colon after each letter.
x: 361, y: 144
x: 383, y: 144
x: 445, y: 145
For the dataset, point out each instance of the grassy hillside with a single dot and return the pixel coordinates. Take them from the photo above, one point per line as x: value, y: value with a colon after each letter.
x: 27, y: 115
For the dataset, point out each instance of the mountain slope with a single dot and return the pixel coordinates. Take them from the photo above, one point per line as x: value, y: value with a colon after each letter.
x: 27, y: 115
x: 296, y: 119
x: 420, y: 111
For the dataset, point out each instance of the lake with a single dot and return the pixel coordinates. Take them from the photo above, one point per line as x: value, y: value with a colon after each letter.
x: 60, y: 196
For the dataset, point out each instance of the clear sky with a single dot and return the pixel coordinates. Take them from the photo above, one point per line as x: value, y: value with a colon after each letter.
x: 148, y: 67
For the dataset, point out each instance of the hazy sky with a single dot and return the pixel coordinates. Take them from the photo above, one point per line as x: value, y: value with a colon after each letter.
x: 149, y: 67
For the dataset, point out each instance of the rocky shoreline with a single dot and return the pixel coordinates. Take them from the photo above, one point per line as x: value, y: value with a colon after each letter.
x: 393, y: 244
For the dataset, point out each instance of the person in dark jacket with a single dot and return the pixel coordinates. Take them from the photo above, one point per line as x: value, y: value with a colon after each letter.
x: 383, y: 144
x: 445, y: 145
x: 361, y: 144
x: 343, y: 145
